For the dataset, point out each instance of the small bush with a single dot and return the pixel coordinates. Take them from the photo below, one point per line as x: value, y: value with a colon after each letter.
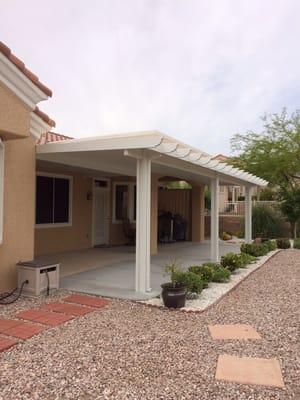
x: 231, y: 261
x: 221, y: 275
x: 283, y: 243
x: 225, y: 236
x: 297, y: 243
x: 255, y: 249
x: 272, y: 245
x: 247, y: 259
x: 192, y: 281
x: 267, y: 222
x: 204, y: 271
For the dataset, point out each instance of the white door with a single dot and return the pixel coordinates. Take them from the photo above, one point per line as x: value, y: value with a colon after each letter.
x: 101, y: 212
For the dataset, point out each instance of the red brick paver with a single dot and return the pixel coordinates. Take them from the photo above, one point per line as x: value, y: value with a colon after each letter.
x: 19, y: 329
x: 6, y: 343
x: 44, y: 317
x: 69, y: 309
x: 86, y: 300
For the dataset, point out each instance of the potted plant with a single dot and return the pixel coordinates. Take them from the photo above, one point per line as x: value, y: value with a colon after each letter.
x: 173, y: 292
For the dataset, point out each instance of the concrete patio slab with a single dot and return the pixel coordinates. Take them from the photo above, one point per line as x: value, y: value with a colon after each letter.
x: 236, y: 331
x: 111, y: 272
x: 250, y: 371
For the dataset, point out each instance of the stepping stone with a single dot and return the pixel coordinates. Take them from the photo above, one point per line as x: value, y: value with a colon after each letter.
x: 6, y: 343
x: 44, y: 317
x: 19, y: 329
x: 237, y: 331
x: 250, y: 371
x: 86, y: 300
x: 69, y: 309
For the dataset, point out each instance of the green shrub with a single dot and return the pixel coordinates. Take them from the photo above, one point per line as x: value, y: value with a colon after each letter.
x: 297, y: 243
x: 192, y: 281
x: 221, y: 275
x: 231, y: 261
x: 272, y: 245
x: 204, y: 271
x: 267, y: 222
x: 255, y: 249
x: 283, y: 243
x: 247, y: 259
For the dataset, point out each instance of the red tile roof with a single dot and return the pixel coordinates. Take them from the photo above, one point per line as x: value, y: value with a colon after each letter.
x: 50, y: 137
x: 44, y: 116
x: 21, y: 66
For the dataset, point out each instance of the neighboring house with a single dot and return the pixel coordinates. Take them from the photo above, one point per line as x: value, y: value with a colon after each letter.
x: 232, y: 195
x: 59, y: 194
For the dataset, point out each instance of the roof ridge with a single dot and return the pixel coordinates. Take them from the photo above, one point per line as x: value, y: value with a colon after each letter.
x: 6, y: 51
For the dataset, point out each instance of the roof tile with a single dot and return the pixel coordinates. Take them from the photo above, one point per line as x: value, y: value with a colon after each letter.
x: 21, y: 66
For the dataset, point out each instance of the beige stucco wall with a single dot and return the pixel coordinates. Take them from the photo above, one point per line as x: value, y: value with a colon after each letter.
x: 14, y: 115
x: 198, y: 213
x: 75, y: 237
x: 19, y: 189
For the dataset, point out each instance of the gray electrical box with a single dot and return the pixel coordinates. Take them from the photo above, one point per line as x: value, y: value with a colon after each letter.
x: 41, y: 275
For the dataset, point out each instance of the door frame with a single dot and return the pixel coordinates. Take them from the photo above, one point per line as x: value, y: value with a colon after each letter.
x: 108, y: 189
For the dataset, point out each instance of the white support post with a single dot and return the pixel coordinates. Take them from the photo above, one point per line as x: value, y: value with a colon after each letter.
x: 248, y: 214
x: 143, y: 221
x: 214, y: 221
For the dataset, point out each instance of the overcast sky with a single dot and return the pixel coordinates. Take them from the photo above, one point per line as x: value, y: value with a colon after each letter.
x: 200, y: 71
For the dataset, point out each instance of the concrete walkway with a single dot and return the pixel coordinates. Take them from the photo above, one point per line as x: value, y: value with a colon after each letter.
x: 110, y: 272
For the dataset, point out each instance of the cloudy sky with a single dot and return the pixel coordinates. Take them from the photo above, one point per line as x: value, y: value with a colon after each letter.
x: 197, y: 70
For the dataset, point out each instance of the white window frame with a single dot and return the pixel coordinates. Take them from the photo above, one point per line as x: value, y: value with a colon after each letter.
x: 2, y: 148
x: 130, y: 208
x: 59, y: 224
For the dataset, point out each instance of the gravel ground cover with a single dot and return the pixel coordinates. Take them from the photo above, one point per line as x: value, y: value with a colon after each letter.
x: 131, y: 351
x: 216, y: 290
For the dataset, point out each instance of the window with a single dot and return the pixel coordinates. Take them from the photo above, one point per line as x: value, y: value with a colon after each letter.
x: 1, y: 188
x: 53, y: 200
x: 124, y: 206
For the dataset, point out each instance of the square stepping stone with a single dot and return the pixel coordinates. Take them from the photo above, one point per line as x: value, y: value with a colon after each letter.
x: 250, y: 371
x: 7, y: 324
x: 237, y: 331
x: 6, y: 343
x: 69, y: 309
x: 23, y: 330
x: 86, y: 300
x: 44, y: 317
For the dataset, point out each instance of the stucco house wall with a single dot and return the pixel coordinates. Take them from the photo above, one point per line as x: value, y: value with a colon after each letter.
x: 78, y: 236
x: 19, y: 210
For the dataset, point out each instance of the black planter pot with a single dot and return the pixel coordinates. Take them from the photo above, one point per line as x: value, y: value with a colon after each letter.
x: 173, y: 296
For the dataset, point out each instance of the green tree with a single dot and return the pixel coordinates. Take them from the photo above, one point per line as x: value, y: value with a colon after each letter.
x: 274, y: 154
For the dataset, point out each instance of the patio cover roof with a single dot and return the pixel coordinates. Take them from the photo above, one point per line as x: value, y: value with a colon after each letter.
x: 168, y: 154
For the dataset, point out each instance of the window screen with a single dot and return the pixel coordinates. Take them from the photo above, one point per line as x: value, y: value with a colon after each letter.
x: 52, y: 200
x: 121, y: 206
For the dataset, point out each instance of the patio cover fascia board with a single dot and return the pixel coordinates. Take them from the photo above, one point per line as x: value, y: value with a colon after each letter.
x: 169, y: 148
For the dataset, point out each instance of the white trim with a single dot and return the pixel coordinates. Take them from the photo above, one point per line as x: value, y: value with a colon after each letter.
x: 70, y: 219
x: 130, y: 206
x: 38, y: 126
x: 2, y: 150
x: 19, y: 84
x: 93, y: 207
x: 214, y: 220
x: 184, y: 156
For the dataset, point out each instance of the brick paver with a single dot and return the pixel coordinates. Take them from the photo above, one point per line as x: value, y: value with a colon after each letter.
x: 86, y: 300
x: 69, y: 309
x: 235, y: 331
x: 8, y: 323
x: 6, y: 343
x: 248, y: 370
x: 21, y: 330
x: 44, y: 317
